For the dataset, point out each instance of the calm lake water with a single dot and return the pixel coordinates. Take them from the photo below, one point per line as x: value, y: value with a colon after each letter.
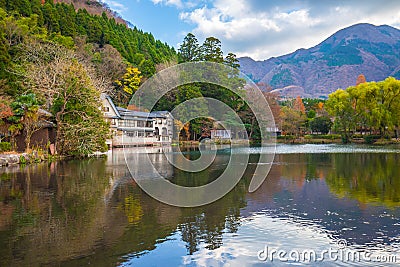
x: 343, y: 199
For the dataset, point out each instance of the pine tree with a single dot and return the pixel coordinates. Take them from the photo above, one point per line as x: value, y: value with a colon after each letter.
x: 189, y: 49
x: 211, y: 50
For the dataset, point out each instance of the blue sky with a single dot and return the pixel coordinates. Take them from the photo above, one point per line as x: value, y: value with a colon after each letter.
x: 256, y: 28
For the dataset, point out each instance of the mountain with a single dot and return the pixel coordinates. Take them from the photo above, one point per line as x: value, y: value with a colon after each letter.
x: 69, y: 20
x: 335, y: 63
x: 94, y: 7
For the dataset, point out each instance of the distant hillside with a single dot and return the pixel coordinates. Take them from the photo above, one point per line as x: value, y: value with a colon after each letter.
x: 99, y: 25
x: 335, y: 63
x: 94, y: 7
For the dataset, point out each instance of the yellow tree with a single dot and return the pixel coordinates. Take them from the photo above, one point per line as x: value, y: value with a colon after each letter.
x: 128, y: 84
x: 292, y: 120
x: 339, y: 105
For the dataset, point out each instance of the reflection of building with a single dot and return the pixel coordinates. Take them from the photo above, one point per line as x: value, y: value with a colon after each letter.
x: 135, y: 128
x: 220, y: 134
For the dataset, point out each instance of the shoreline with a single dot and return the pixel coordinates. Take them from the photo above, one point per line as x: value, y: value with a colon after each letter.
x: 355, y: 141
x: 15, y: 159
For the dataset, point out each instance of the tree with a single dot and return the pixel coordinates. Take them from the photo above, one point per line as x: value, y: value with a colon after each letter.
x: 5, y: 114
x: 81, y: 126
x: 298, y: 105
x: 361, y: 79
x: 339, y: 105
x: 186, y: 113
x: 211, y: 50
x: 232, y: 61
x: 58, y: 78
x: 272, y: 99
x: 292, y: 120
x: 128, y: 84
x: 189, y: 49
x: 321, y: 125
x: 26, y: 111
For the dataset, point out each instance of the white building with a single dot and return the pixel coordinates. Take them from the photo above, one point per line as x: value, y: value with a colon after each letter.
x: 137, y: 128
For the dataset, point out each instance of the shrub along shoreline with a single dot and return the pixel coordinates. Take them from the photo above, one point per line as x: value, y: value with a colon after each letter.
x: 337, y: 139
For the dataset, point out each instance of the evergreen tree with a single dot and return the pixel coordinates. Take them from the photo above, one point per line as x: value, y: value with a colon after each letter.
x: 189, y: 49
x: 211, y: 50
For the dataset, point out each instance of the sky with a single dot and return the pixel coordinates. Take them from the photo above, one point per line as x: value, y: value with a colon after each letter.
x: 259, y: 29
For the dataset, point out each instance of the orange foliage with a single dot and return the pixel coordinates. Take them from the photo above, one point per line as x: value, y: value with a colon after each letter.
x: 5, y: 110
x: 298, y: 105
x: 360, y: 79
x: 272, y: 99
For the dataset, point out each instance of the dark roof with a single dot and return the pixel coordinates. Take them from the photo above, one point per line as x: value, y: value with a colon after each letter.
x: 131, y: 129
x: 133, y: 114
x: 160, y: 114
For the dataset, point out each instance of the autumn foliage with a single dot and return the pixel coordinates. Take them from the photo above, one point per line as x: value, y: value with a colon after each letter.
x: 361, y: 79
x: 298, y: 105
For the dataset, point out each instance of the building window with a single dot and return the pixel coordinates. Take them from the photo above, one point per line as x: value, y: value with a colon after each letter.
x: 128, y: 123
x: 106, y: 109
x: 113, y: 122
x: 149, y: 124
x: 140, y: 124
x: 140, y: 134
x: 131, y: 134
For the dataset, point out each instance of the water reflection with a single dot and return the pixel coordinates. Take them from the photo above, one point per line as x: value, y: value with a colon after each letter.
x: 372, y: 179
x: 91, y: 212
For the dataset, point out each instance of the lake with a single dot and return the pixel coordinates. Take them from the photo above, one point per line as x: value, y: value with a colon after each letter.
x: 331, y: 205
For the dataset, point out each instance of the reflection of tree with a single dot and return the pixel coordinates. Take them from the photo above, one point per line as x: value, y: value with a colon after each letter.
x: 132, y: 209
x: 57, y: 210
x: 368, y: 178
x: 207, y: 224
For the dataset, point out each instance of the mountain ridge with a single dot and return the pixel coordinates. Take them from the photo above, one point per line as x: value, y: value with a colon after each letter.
x: 334, y: 63
x: 95, y: 7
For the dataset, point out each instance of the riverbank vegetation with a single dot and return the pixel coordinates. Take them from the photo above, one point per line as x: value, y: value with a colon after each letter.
x: 366, y: 113
x: 55, y: 61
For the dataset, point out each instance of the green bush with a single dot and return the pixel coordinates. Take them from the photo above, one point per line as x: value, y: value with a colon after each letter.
x: 22, y: 160
x: 5, y: 146
x: 286, y: 137
x: 370, y: 139
x: 322, y: 136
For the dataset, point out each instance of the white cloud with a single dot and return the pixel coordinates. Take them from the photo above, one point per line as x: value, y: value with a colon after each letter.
x: 262, y: 29
x: 116, y: 6
x: 178, y: 3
